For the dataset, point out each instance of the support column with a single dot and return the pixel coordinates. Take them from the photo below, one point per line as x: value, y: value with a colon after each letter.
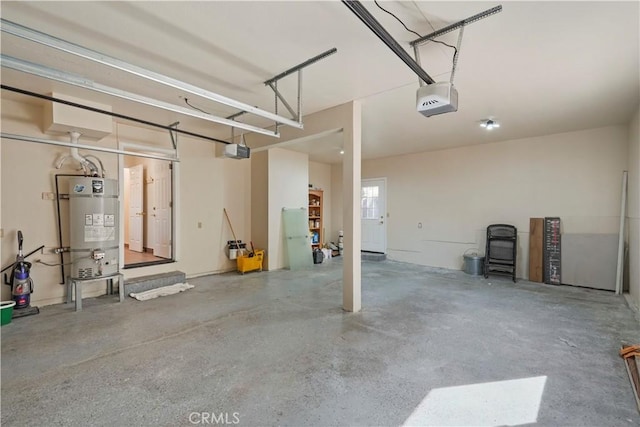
x: 351, y: 166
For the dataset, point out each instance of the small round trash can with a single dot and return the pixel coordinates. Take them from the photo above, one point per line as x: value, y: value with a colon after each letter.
x: 473, y: 264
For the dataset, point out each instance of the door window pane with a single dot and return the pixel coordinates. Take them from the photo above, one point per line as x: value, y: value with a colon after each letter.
x: 369, y: 203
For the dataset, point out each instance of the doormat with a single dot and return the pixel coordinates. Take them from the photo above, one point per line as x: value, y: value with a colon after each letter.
x: 161, y: 292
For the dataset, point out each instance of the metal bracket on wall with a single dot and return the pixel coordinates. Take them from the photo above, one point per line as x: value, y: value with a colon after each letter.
x: 273, y: 84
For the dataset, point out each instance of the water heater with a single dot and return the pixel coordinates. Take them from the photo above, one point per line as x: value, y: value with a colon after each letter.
x: 94, y: 228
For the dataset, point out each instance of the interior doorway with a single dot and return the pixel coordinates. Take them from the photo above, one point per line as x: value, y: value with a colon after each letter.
x: 148, y: 211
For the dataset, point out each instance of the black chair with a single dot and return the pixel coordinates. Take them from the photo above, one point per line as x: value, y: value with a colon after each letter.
x: 501, y: 251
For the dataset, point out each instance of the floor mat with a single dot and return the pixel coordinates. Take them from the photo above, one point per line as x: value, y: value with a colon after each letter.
x: 161, y: 292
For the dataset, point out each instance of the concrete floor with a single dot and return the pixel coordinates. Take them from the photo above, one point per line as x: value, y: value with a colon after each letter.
x: 275, y: 348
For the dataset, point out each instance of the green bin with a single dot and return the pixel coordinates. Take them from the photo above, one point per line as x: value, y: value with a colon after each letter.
x: 6, y: 312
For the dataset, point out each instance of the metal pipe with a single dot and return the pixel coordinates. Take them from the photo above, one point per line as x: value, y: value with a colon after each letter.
x: 361, y: 12
x: 302, y: 65
x: 83, y: 52
x: 458, y: 24
x: 416, y: 53
x: 62, y: 275
x: 161, y: 150
x: 455, y: 56
x: 102, y: 171
x: 234, y: 115
x: 79, y: 81
x: 84, y: 146
x: 27, y: 255
x: 110, y: 113
x: 299, y: 117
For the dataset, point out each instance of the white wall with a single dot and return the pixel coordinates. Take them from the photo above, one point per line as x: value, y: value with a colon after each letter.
x: 456, y: 193
x: 320, y: 178
x: 206, y: 185
x: 336, y: 201
x: 260, y: 203
x: 288, y: 188
x: 633, y: 208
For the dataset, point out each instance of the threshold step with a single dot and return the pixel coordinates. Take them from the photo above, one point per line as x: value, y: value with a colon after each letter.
x: 373, y: 256
x: 153, y: 281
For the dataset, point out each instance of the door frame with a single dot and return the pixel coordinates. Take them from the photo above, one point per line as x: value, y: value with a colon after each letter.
x: 385, y: 213
x: 157, y: 244
x: 175, y: 186
x: 139, y: 217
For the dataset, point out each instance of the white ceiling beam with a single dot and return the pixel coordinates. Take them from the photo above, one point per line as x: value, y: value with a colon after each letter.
x: 74, y: 49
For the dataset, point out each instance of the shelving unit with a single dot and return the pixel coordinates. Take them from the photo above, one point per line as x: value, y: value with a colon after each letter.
x: 316, y: 225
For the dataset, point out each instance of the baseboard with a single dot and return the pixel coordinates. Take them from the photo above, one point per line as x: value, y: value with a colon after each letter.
x: 146, y: 250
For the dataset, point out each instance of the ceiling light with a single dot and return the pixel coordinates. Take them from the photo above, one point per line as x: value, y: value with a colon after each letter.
x: 489, y: 124
x: 341, y: 151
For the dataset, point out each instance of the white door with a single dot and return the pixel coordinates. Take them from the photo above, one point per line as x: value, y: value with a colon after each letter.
x: 135, y: 213
x: 373, y: 212
x: 161, y: 214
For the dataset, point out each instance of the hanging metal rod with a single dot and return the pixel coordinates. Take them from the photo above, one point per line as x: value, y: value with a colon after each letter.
x: 273, y: 84
x: 79, y: 81
x: 281, y: 98
x: 83, y: 52
x: 302, y: 65
x: 361, y: 12
x: 234, y: 115
x: 110, y: 113
x: 457, y: 25
x: 174, y: 138
x: 84, y: 146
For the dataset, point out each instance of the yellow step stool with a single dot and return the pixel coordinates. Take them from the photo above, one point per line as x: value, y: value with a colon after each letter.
x: 246, y: 263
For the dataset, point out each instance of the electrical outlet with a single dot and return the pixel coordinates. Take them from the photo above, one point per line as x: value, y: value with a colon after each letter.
x: 48, y: 196
x: 419, y: 225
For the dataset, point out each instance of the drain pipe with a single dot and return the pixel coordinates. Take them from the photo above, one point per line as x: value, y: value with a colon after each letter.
x: 87, y: 165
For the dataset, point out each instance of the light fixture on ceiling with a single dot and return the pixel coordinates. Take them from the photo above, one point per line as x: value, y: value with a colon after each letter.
x: 489, y: 124
x: 341, y: 151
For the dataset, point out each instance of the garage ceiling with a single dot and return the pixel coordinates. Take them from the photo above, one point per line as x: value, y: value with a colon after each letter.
x: 538, y: 67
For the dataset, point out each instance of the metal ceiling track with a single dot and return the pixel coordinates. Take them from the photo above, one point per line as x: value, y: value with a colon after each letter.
x: 457, y: 25
x: 170, y: 128
x: 273, y: 84
x: 77, y: 50
x: 361, y: 12
x: 79, y: 81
